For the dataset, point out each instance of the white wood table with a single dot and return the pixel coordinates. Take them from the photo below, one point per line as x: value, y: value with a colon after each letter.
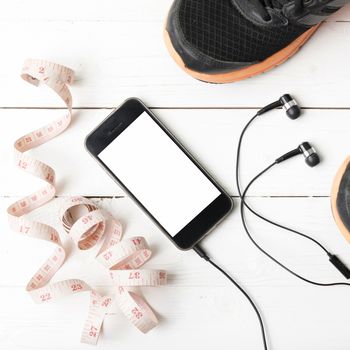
x: 117, y: 50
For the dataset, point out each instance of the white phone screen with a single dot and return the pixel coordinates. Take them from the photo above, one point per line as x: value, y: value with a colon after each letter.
x: 156, y: 171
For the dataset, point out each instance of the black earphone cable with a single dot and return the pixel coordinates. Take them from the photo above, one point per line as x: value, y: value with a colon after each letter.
x: 253, y: 211
x: 204, y: 256
x: 337, y: 263
x: 244, y: 204
x: 239, y: 152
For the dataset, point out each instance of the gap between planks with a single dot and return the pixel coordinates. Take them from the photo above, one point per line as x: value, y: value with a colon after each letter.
x: 169, y: 108
x: 233, y: 197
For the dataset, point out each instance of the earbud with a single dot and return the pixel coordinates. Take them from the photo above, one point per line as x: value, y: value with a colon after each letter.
x: 310, y: 154
x: 288, y: 103
x: 290, y: 106
x: 293, y: 111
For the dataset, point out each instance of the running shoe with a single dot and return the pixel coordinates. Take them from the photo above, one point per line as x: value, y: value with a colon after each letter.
x: 340, y: 199
x: 222, y: 41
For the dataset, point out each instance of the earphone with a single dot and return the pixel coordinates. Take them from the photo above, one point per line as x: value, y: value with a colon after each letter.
x: 310, y: 154
x: 288, y: 103
x: 312, y: 159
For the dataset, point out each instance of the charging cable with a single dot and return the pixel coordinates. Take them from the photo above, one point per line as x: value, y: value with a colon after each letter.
x: 204, y: 256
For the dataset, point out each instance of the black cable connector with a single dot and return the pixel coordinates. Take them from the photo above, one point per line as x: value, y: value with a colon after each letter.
x: 201, y: 252
x: 340, y: 266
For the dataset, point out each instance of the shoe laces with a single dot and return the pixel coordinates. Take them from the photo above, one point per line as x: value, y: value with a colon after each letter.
x: 278, y: 4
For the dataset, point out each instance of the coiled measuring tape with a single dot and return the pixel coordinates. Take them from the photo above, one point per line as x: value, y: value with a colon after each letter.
x: 122, y: 258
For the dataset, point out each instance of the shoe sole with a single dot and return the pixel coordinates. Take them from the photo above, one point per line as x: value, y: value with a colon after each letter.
x: 334, y: 196
x: 255, y: 69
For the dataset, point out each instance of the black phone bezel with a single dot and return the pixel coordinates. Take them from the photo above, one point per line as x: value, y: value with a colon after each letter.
x: 112, y: 127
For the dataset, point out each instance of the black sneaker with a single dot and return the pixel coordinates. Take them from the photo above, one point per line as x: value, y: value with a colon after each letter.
x: 340, y: 199
x: 222, y: 41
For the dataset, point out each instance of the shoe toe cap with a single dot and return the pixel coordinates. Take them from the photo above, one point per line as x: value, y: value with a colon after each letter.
x: 191, y: 57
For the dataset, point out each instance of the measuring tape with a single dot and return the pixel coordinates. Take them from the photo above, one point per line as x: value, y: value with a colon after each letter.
x: 122, y: 258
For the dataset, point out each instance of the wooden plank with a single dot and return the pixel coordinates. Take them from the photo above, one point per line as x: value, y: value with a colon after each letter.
x: 208, y: 317
x: 198, y: 306
x: 118, y: 59
x: 93, y: 10
x: 106, y: 10
x: 228, y: 245
x: 212, y: 137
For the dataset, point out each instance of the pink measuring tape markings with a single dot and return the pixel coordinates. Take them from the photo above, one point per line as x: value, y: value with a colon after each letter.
x: 122, y: 258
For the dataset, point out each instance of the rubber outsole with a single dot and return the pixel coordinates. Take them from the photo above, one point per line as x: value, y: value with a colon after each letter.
x: 334, y: 195
x: 248, y: 72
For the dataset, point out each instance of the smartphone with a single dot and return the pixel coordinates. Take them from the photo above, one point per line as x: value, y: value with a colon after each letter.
x: 163, y: 178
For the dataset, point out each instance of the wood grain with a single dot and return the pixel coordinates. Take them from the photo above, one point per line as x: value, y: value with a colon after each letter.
x: 117, y: 59
x: 211, y: 135
x: 117, y: 50
x: 198, y: 306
